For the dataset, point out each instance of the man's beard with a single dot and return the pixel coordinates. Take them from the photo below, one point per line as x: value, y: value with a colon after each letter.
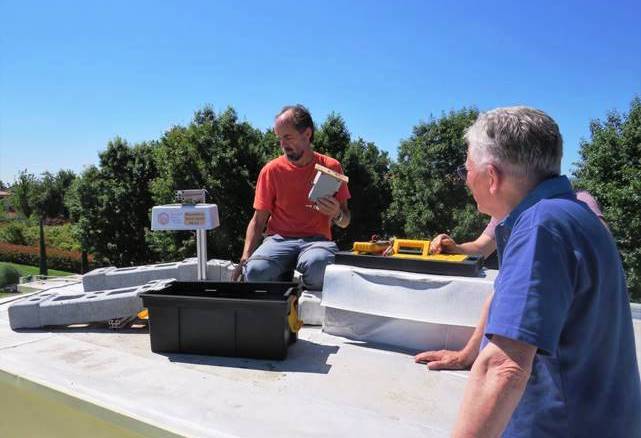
x: 293, y: 156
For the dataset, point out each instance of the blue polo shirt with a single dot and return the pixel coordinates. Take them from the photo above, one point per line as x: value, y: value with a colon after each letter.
x: 561, y: 288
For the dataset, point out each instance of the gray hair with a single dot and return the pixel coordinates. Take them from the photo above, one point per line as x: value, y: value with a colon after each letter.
x: 523, y: 141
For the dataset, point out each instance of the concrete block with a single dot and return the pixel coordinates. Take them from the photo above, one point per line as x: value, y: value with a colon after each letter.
x: 95, y: 280
x: 310, y: 309
x: 159, y: 271
x: 188, y: 270
x: 26, y: 312
x: 58, y: 308
x: 226, y: 271
x: 213, y: 269
x: 138, y: 275
x: 116, y: 278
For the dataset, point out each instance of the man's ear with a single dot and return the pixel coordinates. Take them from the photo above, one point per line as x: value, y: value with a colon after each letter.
x: 495, y: 177
x: 308, y: 134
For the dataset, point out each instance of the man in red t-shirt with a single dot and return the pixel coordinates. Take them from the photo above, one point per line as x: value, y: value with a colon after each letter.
x: 298, y: 232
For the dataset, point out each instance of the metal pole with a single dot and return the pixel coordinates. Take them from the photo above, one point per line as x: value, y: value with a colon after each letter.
x: 201, y: 253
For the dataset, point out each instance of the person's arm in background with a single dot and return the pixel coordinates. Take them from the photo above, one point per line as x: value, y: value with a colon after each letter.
x: 253, y: 236
x: 484, y: 245
x: 592, y: 204
x: 458, y: 360
x: 494, y: 388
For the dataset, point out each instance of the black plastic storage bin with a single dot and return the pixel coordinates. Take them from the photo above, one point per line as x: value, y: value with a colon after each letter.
x: 222, y: 318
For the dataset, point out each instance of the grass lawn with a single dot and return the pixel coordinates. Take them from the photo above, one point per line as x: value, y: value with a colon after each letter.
x: 29, y: 270
x: 34, y: 270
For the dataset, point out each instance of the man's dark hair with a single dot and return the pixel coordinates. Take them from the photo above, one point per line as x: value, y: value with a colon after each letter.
x: 300, y: 118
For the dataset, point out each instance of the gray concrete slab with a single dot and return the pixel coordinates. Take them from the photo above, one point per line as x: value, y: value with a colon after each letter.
x: 186, y: 270
x: 61, y: 306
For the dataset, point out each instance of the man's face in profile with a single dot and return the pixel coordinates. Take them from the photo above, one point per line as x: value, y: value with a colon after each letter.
x: 477, y: 182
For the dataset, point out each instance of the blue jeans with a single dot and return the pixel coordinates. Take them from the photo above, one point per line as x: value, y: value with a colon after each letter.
x: 277, y: 257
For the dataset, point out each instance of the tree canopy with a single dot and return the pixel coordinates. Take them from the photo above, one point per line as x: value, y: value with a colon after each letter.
x: 427, y: 196
x: 222, y: 155
x: 367, y: 168
x: 110, y: 203
x: 610, y: 169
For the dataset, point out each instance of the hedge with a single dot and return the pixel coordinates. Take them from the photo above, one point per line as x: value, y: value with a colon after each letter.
x: 56, y: 258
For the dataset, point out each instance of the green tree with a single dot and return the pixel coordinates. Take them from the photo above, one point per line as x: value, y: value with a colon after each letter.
x: 43, y: 198
x: 84, y: 202
x: 110, y: 204
x: 47, y: 202
x: 610, y: 169
x: 23, y: 192
x: 427, y: 196
x: 222, y: 155
x: 333, y: 137
x: 367, y: 169
x: 63, y: 181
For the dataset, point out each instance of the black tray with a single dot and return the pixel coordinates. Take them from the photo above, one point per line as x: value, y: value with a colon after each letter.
x: 471, y: 267
x: 221, y: 318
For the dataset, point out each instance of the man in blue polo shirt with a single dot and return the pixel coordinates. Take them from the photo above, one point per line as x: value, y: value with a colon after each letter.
x: 554, y: 353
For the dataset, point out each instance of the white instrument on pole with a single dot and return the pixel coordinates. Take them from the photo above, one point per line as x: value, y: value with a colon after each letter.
x: 191, y: 214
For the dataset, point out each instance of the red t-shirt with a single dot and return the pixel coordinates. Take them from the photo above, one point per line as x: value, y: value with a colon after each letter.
x: 282, y: 189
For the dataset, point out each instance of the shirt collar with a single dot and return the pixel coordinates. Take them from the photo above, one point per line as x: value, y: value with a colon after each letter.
x: 549, y: 188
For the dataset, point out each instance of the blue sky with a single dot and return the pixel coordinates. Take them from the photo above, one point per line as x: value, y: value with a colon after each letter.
x: 73, y: 75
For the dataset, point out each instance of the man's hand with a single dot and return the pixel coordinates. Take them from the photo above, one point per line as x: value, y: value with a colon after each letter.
x: 329, y: 206
x: 446, y: 359
x: 238, y: 271
x: 443, y: 244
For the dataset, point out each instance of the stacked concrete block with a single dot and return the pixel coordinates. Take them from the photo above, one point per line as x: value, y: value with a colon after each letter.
x: 147, y: 273
x: 188, y: 270
x: 226, y: 271
x: 115, y: 278
x: 219, y: 270
x: 109, y: 293
x: 310, y: 309
x: 95, y: 280
x: 60, y: 308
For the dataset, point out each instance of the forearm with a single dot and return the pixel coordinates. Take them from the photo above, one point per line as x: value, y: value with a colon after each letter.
x: 489, y: 401
x: 494, y: 389
x: 483, y: 245
x: 469, y: 248
x: 252, y: 238
x: 473, y: 345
